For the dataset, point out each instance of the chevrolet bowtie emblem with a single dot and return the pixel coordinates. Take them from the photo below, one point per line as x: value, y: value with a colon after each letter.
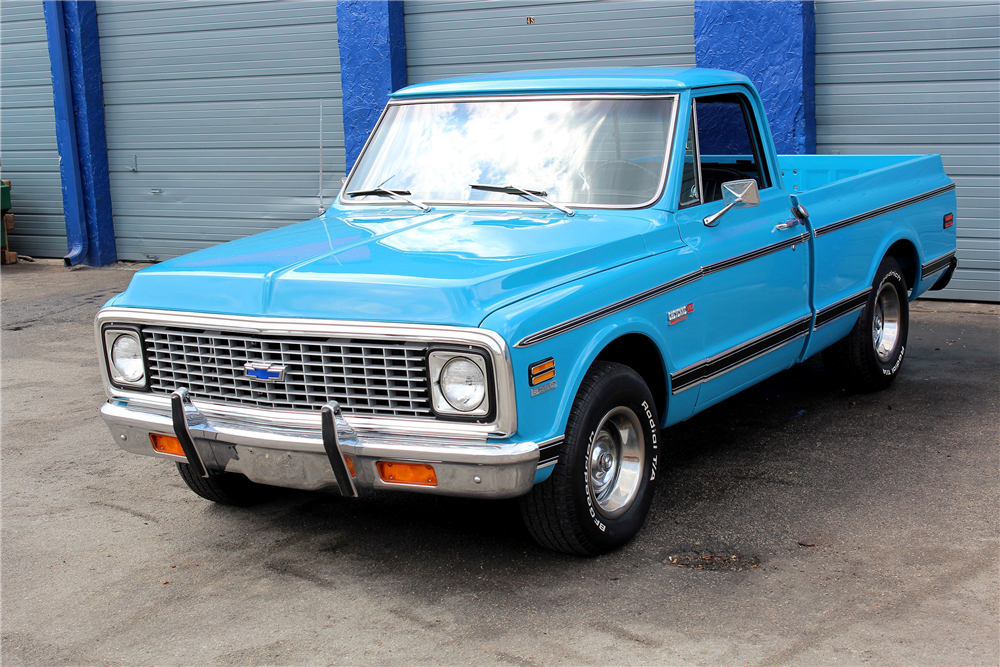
x: 264, y: 371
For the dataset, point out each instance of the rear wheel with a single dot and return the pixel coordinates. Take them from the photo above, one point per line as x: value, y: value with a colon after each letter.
x: 871, y: 355
x: 225, y: 488
x: 601, y: 488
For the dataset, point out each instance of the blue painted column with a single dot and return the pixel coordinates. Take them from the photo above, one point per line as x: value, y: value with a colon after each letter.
x: 773, y: 42
x: 78, y: 98
x: 372, y: 64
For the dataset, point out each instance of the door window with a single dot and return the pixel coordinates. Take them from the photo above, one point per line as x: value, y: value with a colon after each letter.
x: 729, y: 146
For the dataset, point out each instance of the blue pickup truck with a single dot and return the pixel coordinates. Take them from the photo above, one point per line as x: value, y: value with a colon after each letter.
x: 525, y: 279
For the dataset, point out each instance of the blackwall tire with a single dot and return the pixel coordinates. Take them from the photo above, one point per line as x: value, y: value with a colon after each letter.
x: 871, y: 356
x: 602, y: 486
x: 226, y: 488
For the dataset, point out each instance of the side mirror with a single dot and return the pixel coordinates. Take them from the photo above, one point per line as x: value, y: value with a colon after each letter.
x: 735, y: 194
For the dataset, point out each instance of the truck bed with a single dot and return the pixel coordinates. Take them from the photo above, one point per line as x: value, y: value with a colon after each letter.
x: 810, y: 172
x: 861, y: 205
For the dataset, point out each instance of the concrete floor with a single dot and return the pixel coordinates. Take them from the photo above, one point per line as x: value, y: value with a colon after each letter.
x: 842, y: 529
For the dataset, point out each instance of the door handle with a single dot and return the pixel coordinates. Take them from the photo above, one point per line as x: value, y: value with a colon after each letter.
x: 800, y: 215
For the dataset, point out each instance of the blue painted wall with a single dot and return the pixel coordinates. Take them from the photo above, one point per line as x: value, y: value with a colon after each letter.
x: 773, y: 42
x: 372, y: 45
x: 78, y: 98
x: 62, y: 100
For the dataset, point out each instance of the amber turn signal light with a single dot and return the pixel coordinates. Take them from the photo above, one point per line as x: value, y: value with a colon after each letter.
x: 419, y: 474
x: 349, y: 462
x: 166, y: 444
x: 542, y: 371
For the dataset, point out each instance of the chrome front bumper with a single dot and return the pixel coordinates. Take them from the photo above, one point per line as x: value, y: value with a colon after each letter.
x: 291, y: 452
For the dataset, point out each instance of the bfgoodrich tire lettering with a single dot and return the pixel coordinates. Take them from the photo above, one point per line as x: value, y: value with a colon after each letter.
x: 600, y: 490
x: 871, y: 355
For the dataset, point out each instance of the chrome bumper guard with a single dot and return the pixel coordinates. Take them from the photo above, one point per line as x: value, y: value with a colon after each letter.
x: 306, y: 457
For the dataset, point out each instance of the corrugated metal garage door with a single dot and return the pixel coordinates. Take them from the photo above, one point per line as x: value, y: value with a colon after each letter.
x: 212, y: 116
x: 921, y: 76
x: 28, y: 153
x: 454, y: 38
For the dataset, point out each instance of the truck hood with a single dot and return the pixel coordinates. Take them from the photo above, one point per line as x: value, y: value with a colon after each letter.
x: 439, y: 267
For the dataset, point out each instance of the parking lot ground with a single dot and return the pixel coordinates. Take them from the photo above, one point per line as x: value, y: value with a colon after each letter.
x: 794, y: 524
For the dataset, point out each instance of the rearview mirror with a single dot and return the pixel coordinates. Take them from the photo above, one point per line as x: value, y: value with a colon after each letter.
x: 735, y: 194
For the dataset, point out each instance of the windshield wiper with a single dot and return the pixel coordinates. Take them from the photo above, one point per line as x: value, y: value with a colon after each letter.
x: 395, y: 194
x: 537, y: 195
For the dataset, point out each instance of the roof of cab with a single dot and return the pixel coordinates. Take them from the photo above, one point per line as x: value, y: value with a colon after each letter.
x: 584, y: 80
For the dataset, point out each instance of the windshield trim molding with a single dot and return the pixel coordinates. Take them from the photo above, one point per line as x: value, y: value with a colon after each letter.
x: 664, y: 171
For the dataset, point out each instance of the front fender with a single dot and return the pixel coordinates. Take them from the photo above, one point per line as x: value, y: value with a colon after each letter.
x: 543, y: 415
x: 588, y: 345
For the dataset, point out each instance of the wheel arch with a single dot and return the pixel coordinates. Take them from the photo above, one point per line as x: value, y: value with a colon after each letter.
x: 609, y: 343
x: 640, y: 353
x: 904, y: 251
x: 901, y: 244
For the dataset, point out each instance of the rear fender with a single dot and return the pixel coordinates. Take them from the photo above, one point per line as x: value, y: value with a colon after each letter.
x: 898, y: 232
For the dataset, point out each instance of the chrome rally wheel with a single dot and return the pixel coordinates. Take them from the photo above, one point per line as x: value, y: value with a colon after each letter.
x: 870, y: 355
x: 615, y: 462
x: 886, y: 322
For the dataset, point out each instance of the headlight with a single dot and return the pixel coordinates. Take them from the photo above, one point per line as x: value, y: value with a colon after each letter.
x: 463, y: 384
x: 125, y: 361
x: 126, y: 355
x: 459, y: 383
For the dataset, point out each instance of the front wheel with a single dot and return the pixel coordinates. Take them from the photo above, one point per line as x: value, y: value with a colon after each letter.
x: 225, y: 488
x: 600, y: 491
x: 871, y: 355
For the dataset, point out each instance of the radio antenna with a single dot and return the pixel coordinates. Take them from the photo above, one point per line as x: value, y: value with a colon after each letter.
x: 321, y: 207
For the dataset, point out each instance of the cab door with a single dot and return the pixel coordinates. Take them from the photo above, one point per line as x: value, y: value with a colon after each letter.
x: 754, y: 294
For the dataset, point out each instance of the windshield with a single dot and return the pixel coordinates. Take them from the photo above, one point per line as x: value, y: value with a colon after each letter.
x: 596, y: 152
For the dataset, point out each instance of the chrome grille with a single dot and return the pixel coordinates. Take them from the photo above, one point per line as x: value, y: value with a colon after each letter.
x: 368, y: 377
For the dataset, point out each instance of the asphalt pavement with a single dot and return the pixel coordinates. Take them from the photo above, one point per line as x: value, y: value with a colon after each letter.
x: 794, y: 524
